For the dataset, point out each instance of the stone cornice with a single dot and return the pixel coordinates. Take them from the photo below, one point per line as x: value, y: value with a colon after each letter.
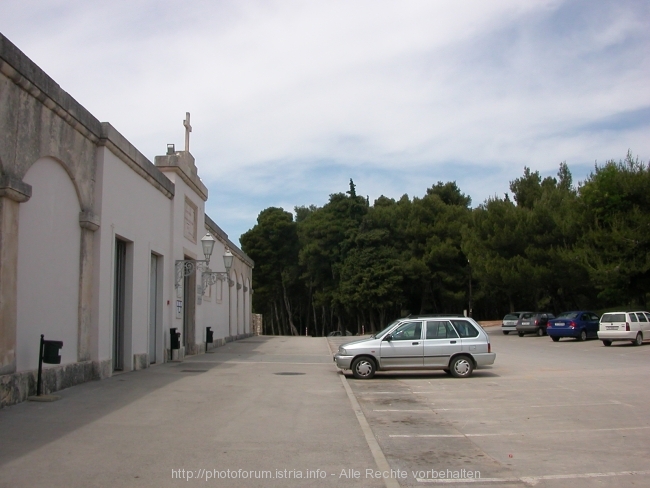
x: 27, y: 75
x: 88, y: 220
x: 14, y: 189
x: 182, y: 163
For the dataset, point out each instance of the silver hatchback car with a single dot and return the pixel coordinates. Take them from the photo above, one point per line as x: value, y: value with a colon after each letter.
x: 454, y: 344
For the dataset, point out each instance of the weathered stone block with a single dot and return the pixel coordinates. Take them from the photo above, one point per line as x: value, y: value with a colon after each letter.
x: 140, y: 361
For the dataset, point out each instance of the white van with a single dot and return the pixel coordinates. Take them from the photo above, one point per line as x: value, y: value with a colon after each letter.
x: 624, y: 326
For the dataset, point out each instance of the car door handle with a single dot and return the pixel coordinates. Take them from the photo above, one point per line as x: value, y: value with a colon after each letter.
x: 415, y: 343
x: 452, y: 342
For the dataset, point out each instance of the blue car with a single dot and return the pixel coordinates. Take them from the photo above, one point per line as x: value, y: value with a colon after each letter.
x: 580, y: 324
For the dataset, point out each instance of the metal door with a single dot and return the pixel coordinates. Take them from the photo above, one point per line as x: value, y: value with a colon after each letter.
x: 189, y: 307
x: 119, y: 299
x: 153, y: 308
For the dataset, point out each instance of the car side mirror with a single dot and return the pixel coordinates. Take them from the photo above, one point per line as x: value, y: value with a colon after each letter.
x: 388, y: 337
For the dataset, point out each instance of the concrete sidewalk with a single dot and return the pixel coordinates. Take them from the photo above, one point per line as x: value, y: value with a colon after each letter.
x: 264, y: 411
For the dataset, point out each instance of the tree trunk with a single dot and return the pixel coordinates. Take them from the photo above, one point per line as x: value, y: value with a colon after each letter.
x: 324, y: 316
x: 287, y: 306
x: 277, y: 316
x: 382, y: 319
x: 313, y: 308
x: 308, y: 317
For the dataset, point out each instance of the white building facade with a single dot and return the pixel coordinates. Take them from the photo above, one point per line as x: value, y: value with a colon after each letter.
x: 90, y: 235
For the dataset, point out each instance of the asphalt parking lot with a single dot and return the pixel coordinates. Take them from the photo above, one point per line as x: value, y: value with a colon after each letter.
x: 276, y: 412
x: 546, y: 414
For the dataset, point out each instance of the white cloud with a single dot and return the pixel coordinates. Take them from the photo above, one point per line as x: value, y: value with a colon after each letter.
x: 291, y: 99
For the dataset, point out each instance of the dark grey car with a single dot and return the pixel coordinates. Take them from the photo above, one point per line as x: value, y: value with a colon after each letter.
x: 533, y: 323
x: 509, y: 323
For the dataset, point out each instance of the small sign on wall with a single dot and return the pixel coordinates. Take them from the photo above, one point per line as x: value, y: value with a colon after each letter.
x: 179, y: 309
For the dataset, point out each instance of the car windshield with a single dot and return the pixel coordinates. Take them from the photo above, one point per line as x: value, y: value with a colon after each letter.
x: 382, y: 332
x: 568, y: 315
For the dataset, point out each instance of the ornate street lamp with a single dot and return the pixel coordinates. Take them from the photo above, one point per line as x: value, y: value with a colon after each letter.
x: 210, y: 277
x: 187, y: 267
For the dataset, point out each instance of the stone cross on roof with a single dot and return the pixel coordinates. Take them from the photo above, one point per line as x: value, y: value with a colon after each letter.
x: 188, y: 129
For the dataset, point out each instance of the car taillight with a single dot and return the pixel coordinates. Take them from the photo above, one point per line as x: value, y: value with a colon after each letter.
x: 549, y: 325
x: 627, y: 326
x: 572, y: 324
x: 535, y: 321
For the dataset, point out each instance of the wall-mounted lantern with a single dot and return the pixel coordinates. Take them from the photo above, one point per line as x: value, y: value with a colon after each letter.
x: 187, y: 267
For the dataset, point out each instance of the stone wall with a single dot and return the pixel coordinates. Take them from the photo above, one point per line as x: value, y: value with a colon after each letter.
x: 15, y: 388
x: 257, y: 324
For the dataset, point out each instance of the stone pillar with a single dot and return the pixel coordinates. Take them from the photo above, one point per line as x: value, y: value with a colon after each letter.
x: 12, y: 192
x: 89, y: 224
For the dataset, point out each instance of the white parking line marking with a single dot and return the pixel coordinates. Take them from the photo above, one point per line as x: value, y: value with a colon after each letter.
x: 428, y: 435
x: 492, y: 390
x: 375, y: 448
x: 517, y: 433
x: 456, y: 409
x: 382, y: 392
x: 611, y: 402
x: 556, y: 405
x: 400, y: 410
x: 534, y: 480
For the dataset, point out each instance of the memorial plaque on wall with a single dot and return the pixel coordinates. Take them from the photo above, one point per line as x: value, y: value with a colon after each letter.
x: 189, y: 227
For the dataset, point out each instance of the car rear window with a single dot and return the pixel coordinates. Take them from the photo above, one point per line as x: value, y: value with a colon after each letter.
x: 613, y: 317
x: 527, y: 315
x: 464, y: 328
x: 511, y: 316
x: 567, y: 315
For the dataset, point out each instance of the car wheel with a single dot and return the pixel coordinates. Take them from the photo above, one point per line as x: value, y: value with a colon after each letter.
x: 363, y: 368
x: 638, y: 340
x: 506, y: 332
x: 582, y: 336
x: 521, y: 334
x: 461, y: 367
x: 555, y: 339
x: 541, y: 332
x: 607, y: 343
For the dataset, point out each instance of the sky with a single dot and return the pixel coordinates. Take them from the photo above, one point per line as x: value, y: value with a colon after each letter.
x: 289, y: 100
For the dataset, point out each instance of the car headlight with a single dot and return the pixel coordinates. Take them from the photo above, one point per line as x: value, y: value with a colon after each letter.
x: 342, y: 351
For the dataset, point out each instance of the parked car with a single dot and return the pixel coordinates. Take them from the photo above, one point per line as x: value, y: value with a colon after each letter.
x: 624, y: 326
x: 530, y: 323
x: 454, y: 344
x: 509, y: 322
x: 581, y: 324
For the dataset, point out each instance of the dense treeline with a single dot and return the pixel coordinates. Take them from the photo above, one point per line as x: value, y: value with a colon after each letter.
x: 354, y: 266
